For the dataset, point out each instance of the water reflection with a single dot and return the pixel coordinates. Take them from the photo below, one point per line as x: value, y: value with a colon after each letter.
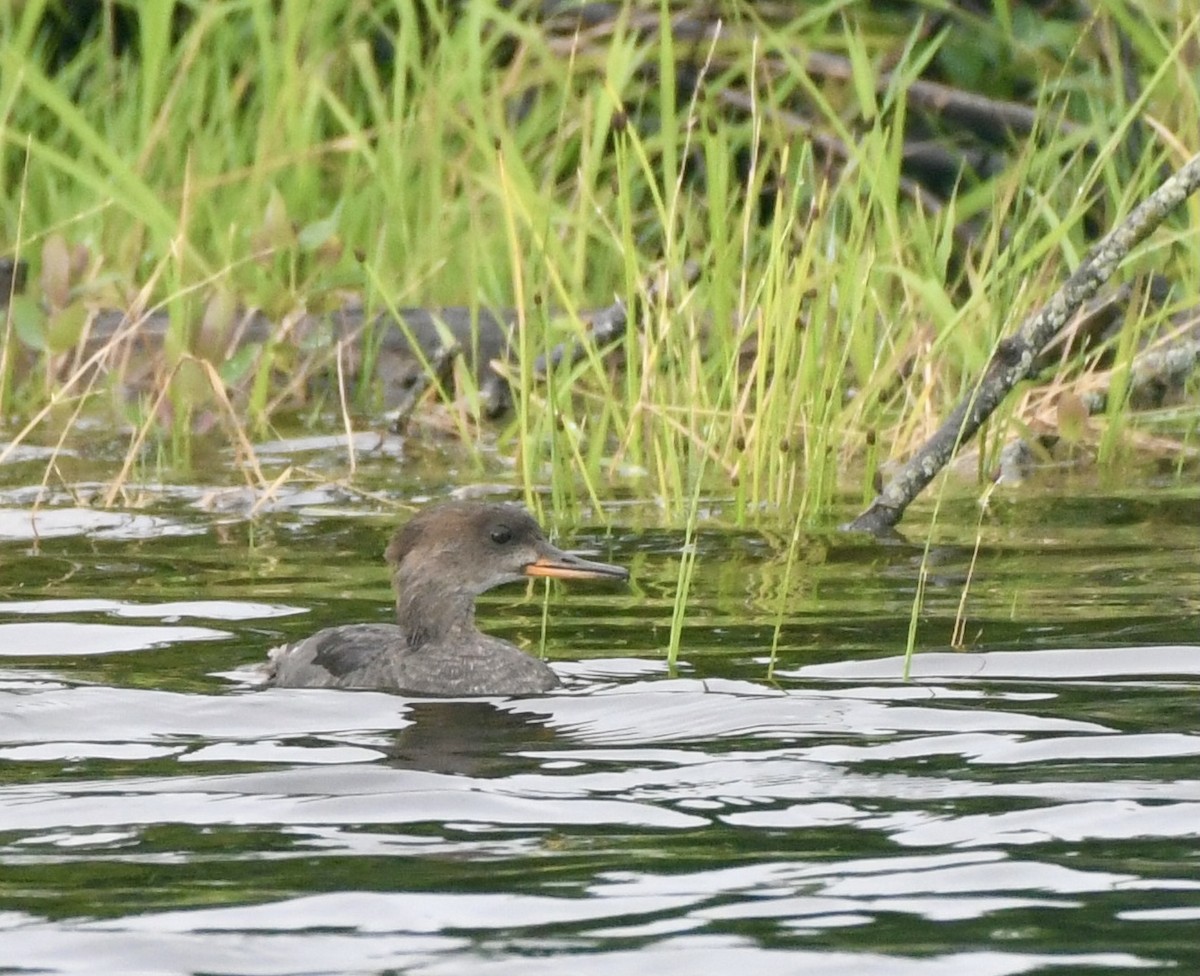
x: 49, y: 523
x: 757, y: 785
x: 467, y: 737
x: 1030, y: 807
x: 59, y: 639
x: 1031, y: 665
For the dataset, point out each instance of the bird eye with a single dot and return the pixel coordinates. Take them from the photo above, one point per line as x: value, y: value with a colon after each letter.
x: 501, y: 535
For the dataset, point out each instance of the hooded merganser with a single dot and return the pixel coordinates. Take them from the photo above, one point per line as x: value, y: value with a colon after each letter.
x: 440, y: 561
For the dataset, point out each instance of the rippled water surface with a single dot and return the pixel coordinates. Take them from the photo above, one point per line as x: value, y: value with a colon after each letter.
x: 1028, y: 804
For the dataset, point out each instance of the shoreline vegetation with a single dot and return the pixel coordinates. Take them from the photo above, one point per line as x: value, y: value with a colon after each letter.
x: 747, y: 249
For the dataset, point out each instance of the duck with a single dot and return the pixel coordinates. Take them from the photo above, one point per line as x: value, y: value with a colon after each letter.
x: 440, y: 561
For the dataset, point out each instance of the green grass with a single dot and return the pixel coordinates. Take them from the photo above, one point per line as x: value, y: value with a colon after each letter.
x: 266, y: 156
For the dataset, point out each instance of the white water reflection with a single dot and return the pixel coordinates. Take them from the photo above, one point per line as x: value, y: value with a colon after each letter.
x: 66, y: 638
x: 1031, y: 665
x: 204, y: 609
x: 47, y: 523
x: 379, y: 444
x: 944, y: 803
x: 1071, y: 822
x: 653, y: 712
x: 126, y: 715
x: 649, y: 754
x: 61, y: 639
x: 688, y: 709
x: 80, y: 949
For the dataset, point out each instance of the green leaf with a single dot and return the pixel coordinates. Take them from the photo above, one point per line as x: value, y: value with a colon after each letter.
x: 29, y: 322
x: 320, y: 232
x: 238, y: 366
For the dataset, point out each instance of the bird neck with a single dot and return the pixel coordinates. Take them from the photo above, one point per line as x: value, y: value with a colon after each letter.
x: 428, y: 610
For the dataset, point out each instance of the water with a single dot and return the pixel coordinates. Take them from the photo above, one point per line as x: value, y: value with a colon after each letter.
x: 1032, y: 805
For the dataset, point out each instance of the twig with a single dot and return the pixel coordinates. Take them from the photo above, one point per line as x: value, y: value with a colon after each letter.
x: 1157, y: 372
x: 1015, y: 357
x: 989, y: 118
x: 832, y: 150
x: 608, y: 324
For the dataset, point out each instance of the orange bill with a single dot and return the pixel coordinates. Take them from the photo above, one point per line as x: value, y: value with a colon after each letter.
x: 565, y: 565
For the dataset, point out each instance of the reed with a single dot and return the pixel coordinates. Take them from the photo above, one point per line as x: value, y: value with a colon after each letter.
x: 266, y: 153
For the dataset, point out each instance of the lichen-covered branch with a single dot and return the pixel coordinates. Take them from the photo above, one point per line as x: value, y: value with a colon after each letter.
x: 1014, y: 357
